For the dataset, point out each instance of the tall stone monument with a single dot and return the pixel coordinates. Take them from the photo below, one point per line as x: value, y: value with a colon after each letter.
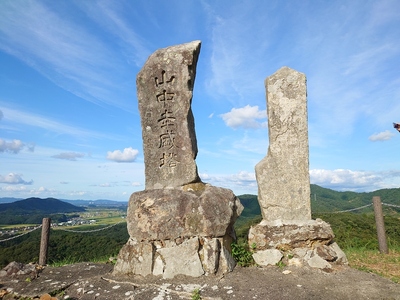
x: 178, y: 225
x: 164, y: 92
x: 287, y: 233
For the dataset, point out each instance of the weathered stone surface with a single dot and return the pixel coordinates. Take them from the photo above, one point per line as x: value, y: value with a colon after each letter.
x: 182, y: 259
x: 168, y: 214
x: 158, y: 268
x: 341, y: 256
x: 210, y: 255
x: 226, y: 262
x: 17, y: 268
x: 283, y: 175
x: 135, y: 258
x: 308, y: 242
x: 316, y: 261
x: 267, y: 257
x: 289, y: 235
x: 164, y: 91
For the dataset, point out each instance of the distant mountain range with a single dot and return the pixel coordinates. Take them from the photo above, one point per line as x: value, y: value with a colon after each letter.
x: 33, y: 210
x: 85, y: 203
x: 38, y: 206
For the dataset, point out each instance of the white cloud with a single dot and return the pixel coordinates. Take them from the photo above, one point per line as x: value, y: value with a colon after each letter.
x: 381, y: 136
x: 14, y: 146
x: 1, y: 115
x: 242, y: 180
x: 69, y: 155
x: 128, y: 155
x: 13, y: 178
x: 343, y: 179
x: 245, y: 117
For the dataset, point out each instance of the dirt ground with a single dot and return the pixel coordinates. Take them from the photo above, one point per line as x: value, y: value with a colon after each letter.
x: 95, y: 281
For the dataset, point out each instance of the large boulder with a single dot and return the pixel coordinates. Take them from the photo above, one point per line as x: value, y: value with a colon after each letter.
x: 195, y: 210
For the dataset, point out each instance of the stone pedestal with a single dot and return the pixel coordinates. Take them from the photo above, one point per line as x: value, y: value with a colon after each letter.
x: 300, y: 243
x: 185, y: 231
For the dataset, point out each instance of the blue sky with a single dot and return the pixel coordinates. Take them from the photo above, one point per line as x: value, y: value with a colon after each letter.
x: 69, y: 120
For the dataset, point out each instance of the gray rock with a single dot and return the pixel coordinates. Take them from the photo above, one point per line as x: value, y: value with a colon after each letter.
x: 210, y: 253
x: 182, y: 259
x: 164, y: 91
x: 290, y: 235
x: 318, y: 262
x: 283, y: 175
x: 267, y: 257
x: 135, y: 258
x: 226, y: 262
x: 17, y: 268
x: 195, y: 210
x: 341, y: 256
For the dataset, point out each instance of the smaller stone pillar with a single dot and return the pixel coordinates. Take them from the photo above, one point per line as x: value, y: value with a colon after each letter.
x: 287, y: 233
x: 283, y: 175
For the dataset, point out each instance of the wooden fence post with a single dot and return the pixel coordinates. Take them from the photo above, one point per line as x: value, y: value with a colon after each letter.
x: 44, y: 241
x: 380, y: 225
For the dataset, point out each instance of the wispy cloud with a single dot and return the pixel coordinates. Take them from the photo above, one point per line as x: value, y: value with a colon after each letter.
x: 111, y: 16
x: 245, y: 117
x: 381, y: 136
x: 127, y: 155
x: 236, y: 59
x: 13, y: 178
x: 62, y: 50
x: 72, y: 156
x: 30, y: 119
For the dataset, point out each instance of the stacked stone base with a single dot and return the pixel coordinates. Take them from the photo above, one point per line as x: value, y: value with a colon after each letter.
x: 193, y: 257
x: 295, y: 243
x: 185, y: 231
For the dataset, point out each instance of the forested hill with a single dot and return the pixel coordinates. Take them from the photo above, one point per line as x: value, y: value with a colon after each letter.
x: 38, y: 205
x: 327, y: 200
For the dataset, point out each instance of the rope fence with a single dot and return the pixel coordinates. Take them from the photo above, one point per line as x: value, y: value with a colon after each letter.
x: 88, y: 231
x: 357, y: 208
x: 19, y: 235
x: 44, y: 240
